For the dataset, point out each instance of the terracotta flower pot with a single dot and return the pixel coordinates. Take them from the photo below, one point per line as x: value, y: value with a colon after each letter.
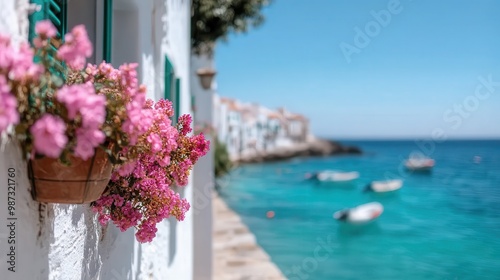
x: 206, y: 76
x: 82, y: 182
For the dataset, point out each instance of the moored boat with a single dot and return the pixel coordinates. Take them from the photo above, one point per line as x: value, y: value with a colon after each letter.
x: 385, y: 186
x: 419, y: 164
x: 336, y: 176
x: 360, y: 214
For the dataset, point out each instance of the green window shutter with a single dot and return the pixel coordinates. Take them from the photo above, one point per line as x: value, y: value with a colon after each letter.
x: 108, y: 27
x: 177, y: 98
x: 54, y: 10
x: 57, y: 14
x: 36, y: 16
x: 169, y: 84
x: 169, y: 74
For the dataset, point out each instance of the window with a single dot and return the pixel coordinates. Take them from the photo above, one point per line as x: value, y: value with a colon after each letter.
x: 54, y: 10
x: 107, y: 34
x: 96, y: 15
x: 172, y: 88
x: 169, y: 76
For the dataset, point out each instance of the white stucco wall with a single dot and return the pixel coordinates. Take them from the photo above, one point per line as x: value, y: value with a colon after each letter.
x: 203, y: 176
x: 65, y: 241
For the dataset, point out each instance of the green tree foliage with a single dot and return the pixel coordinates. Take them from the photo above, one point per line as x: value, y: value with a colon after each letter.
x: 221, y: 159
x: 212, y: 20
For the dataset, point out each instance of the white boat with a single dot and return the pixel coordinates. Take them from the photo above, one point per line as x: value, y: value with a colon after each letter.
x: 385, y: 186
x: 360, y: 214
x: 337, y: 176
x: 419, y: 163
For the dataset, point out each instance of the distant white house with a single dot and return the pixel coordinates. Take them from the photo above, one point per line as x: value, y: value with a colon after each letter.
x: 297, y: 126
x: 248, y: 129
x: 228, y: 123
x: 266, y: 141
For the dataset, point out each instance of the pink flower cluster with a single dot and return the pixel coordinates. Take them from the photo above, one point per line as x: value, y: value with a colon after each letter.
x: 76, y: 48
x: 82, y: 101
x: 138, y: 118
x: 45, y: 30
x: 63, y: 110
x: 59, y: 110
x: 49, y: 135
x: 167, y: 161
x: 17, y: 63
x: 16, y: 66
x: 8, y: 106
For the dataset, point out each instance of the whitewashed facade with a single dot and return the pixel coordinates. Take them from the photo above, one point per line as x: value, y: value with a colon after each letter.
x: 203, y: 173
x: 66, y: 241
x: 228, y: 124
x: 250, y: 129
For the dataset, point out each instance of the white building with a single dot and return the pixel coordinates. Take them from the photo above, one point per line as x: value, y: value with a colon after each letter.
x: 228, y: 124
x: 297, y: 126
x: 203, y: 173
x: 249, y: 129
x: 66, y: 241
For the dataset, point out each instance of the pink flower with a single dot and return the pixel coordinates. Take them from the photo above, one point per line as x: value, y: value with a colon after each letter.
x: 76, y: 48
x: 126, y: 169
x: 7, y: 54
x: 45, y: 28
x: 201, y: 147
x: 81, y: 98
x: 169, y: 135
x: 4, y: 39
x: 164, y: 161
x: 155, y: 142
x: 73, y: 97
x: 138, y: 121
x: 165, y: 107
x: 8, y: 106
x: 22, y: 66
x: 118, y: 200
x: 182, y: 172
x: 147, y: 232
x: 86, y: 142
x: 104, y: 219
x: 185, y: 123
x: 94, y: 111
x: 49, y: 137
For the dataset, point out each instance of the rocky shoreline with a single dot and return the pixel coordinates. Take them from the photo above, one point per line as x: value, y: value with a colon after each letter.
x: 312, y: 148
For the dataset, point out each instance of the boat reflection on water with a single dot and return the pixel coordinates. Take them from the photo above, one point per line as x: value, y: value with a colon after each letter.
x: 345, y: 231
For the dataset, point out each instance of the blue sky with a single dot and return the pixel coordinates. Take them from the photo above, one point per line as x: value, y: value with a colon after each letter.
x: 417, y: 73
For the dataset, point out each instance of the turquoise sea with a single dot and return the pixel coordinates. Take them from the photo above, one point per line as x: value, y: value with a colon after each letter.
x: 441, y: 225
